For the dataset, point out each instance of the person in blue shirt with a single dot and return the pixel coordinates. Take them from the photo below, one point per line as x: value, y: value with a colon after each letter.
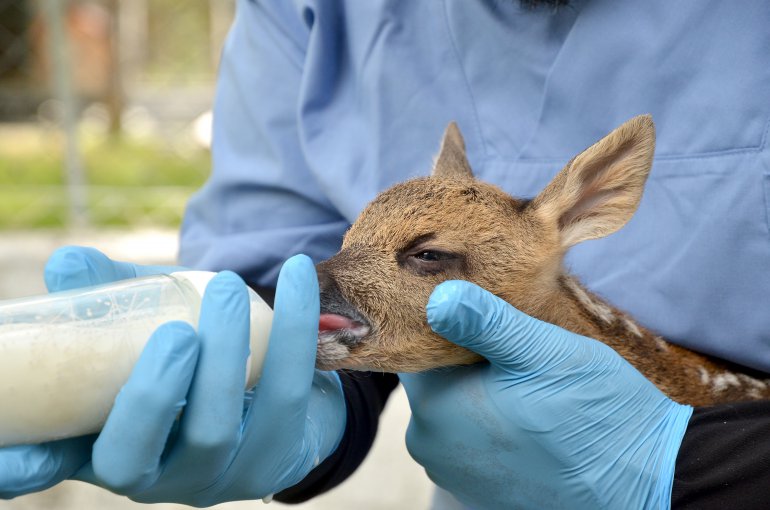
x: 320, y: 106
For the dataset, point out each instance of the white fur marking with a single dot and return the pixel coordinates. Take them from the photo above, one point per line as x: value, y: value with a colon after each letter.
x: 704, y: 375
x: 732, y: 379
x: 597, y: 308
x: 633, y: 328
x: 662, y: 344
x: 722, y: 381
x: 760, y: 385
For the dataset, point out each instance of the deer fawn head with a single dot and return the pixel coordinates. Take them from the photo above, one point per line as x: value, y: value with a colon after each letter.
x: 422, y: 232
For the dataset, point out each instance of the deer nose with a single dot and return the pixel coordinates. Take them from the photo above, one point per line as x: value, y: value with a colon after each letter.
x: 331, y: 296
x: 338, y: 316
x: 325, y: 281
x: 332, y: 300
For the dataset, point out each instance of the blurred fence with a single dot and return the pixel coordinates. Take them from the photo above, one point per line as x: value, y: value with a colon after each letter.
x: 84, y: 80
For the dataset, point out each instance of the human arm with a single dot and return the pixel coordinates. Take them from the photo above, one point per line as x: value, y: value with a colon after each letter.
x: 724, y: 459
x: 227, y: 445
x: 467, y: 420
x: 31, y: 468
x: 554, y: 420
x: 262, y: 202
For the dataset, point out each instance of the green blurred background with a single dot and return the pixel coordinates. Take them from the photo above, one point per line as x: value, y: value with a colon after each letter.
x: 104, y: 109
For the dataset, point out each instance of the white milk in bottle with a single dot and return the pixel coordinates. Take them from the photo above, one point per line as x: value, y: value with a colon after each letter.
x: 64, y: 356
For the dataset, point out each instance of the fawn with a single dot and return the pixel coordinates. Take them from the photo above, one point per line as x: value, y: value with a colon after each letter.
x: 451, y: 226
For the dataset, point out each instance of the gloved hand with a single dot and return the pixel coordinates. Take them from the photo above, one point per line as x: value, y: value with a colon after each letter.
x: 228, y: 445
x: 72, y: 267
x: 554, y: 420
x: 26, y: 469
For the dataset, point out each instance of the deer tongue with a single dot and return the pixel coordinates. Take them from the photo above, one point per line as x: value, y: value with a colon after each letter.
x: 334, y: 322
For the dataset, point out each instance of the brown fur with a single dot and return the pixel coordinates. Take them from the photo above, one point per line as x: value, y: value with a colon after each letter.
x: 386, y: 269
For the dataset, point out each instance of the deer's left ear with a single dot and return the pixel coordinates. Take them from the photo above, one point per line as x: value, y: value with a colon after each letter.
x: 600, y: 189
x: 451, y: 160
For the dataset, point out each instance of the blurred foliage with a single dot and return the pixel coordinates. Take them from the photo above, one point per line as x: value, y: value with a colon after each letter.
x: 172, y: 22
x: 123, y: 162
x: 131, y: 182
x: 143, y: 70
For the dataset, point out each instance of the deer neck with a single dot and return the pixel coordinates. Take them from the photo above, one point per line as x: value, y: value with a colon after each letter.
x: 683, y: 375
x: 576, y: 309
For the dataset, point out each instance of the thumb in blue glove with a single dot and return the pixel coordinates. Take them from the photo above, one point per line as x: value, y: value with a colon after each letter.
x: 554, y: 420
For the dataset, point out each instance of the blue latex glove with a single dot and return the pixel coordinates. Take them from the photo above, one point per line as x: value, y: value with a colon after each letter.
x: 72, y: 267
x: 227, y: 445
x: 555, y: 420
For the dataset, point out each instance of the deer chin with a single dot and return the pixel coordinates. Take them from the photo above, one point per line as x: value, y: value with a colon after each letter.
x: 337, y: 335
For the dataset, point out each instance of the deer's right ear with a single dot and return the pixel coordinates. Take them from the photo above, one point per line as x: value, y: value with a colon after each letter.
x: 600, y: 189
x: 451, y: 160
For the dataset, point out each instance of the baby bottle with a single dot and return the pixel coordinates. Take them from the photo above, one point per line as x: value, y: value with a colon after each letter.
x: 64, y: 356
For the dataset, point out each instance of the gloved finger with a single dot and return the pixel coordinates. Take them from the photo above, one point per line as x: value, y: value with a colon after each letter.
x: 287, y: 375
x: 211, y: 427
x: 72, y: 267
x: 415, y: 385
x: 329, y: 385
x: 473, y: 318
x: 431, y: 391
x: 26, y: 469
x: 126, y: 455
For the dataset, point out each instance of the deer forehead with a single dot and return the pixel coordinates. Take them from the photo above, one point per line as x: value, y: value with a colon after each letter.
x: 451, y: 210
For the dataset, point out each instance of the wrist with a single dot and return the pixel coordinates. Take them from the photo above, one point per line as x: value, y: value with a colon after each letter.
x: 326, y: 414
x: 340, y: 410
x: 662, y: 461
x: 336, y: 434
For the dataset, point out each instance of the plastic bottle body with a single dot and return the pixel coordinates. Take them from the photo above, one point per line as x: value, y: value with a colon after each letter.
x: 64, y: 356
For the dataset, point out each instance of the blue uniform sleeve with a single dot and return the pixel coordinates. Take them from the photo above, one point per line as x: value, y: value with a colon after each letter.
x: 261, y: 203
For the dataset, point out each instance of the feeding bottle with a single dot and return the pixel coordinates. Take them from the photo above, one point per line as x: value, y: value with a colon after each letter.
x: 64, y: 356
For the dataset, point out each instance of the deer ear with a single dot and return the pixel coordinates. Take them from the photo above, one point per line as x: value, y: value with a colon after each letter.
x: 600, y: 189
x: 451, y: 160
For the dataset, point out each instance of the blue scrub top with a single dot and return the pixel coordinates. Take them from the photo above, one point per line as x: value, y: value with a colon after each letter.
x: 321, y: 105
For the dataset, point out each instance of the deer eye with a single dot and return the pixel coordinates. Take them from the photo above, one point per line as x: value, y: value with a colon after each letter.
x: 428, y: 262
x: 431, y: 256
